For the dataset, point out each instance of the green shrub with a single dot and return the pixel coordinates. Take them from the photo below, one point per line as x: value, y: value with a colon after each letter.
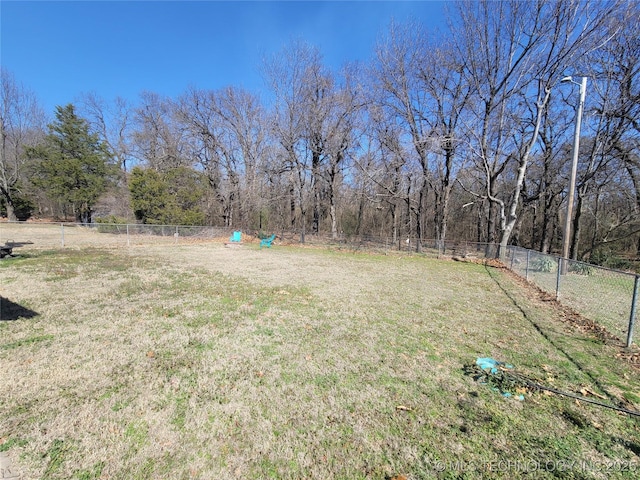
x: 580, y: 268
x: 544, y: 264
x: 606, y: 257
x: 23, y: 207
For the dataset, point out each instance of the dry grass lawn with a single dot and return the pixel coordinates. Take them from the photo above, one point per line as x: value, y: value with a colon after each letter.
x: 206, y: 362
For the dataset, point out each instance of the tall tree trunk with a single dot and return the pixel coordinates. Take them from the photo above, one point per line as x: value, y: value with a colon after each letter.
x: 5, y: 188
x: 420, y: 215
x: 292, y: 205
x: 512, y: 217
x: 442, y: 200
x: 545, y: 240
x: 409, y: 215
x: 394, y: 224
x: 360, y: 213
x: 334, y: 221
x: 303, y: 225
x: 315, y: 179
x: 577, y: 226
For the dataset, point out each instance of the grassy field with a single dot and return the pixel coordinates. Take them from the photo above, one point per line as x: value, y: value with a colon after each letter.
x: 206, y: 362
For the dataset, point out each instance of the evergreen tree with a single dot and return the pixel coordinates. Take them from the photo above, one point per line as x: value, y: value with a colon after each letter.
x: 149, y: 195
x: 74, y: 165
x: 173, y: 197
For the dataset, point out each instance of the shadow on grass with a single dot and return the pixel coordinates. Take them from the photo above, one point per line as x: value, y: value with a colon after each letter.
x: 551, y: 341
x: 12, y: 311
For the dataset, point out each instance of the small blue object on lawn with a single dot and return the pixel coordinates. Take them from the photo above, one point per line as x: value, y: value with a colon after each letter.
x: 492, y: 367
x: 488, y: 363
x: 266, y: 242
x: 236, y: 237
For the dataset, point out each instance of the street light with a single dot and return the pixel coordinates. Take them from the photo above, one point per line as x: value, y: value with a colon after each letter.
x: 574, y: 169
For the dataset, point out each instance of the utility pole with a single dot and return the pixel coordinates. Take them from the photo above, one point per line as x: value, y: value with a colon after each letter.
x: 574, y: 170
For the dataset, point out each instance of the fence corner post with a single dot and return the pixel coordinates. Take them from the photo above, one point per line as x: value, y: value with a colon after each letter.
x: 632, y: 315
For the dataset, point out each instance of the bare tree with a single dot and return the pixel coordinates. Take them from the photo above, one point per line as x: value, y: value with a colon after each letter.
x: 397, y: 91
x: 344, y: 127
x: 516, y: 51
x: 21, y: 124
x: 331, y: 107
x: 318, y: 90
x: 112, y: 122
x: 386, y: 167
x: 196, y: 112
x: 245, y: 119
x: 614, y: 146
x: 156, y: 137
x: 448, y: 94
x: 288, y: 76
x: 545, y: 184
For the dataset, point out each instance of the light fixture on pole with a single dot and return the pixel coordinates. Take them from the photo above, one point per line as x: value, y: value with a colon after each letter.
x: 574, y: 170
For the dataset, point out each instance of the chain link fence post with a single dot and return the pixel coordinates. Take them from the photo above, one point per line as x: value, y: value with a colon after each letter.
x: 526, y: 268
x: 62, y: 234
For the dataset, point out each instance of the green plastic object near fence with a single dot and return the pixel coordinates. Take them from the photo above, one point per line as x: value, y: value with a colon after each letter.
x: 236, y: 237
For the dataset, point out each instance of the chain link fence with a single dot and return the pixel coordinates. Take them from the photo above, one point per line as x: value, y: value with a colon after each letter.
x: 607, y: 297
x: 60, y: 235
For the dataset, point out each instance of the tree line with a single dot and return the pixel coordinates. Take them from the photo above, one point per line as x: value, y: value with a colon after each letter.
x: 458, y: 135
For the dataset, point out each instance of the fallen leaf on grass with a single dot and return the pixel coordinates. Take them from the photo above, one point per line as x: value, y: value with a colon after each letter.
x: 631, y: 357
x: 587, y: 392
x: 403, y: 408
x: 151, y: 354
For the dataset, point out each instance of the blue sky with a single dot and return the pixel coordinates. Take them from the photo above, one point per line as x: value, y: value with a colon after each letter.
x: 121, y: 48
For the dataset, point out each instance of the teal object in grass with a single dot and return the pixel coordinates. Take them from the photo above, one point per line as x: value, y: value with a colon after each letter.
x: 266, y: 242
x: 492, y: 366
